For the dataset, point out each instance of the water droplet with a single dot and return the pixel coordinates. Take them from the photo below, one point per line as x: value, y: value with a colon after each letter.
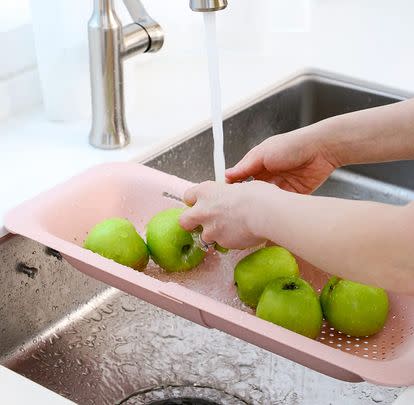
x: 377, y: 397
x: 86, y: 371
x: 97, y: 317
x: 108, y: 309
x: 128, y: 307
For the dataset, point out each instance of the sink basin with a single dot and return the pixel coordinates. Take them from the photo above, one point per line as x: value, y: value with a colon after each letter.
x: 95, y: 344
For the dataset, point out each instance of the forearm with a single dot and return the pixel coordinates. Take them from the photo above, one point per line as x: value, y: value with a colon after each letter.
x: 363, y: 241
x: 374, y: 135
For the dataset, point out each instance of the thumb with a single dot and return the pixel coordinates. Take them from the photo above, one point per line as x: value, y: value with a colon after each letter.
x: 251, y: 165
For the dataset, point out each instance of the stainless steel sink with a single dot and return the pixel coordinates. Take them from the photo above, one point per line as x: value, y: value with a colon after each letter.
x: 97, y: 345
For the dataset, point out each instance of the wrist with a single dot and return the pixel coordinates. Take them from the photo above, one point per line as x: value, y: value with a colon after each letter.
x: 265, y: 197
x: 329, y: 139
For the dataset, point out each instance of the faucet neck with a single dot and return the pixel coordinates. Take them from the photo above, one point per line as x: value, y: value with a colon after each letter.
x: 104, y: 6
x: 104, y: 14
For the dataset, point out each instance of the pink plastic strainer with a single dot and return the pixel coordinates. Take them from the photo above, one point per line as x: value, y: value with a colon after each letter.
x: 60, y: 218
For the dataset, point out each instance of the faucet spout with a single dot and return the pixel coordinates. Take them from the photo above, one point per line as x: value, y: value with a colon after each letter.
x: 110, y: 43
x: 208, y: 5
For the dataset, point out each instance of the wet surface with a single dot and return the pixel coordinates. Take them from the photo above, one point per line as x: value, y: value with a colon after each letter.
x: 116, y: 345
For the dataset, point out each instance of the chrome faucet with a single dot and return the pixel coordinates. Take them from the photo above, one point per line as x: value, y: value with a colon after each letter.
x: 208, y: 5
x: 110, y: 43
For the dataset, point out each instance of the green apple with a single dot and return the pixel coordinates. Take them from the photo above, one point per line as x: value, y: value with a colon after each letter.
x: 171, y: 247
x: 353, y: 308
x: 117, y: 239
x: 255, y: 271
x: 292, y: 303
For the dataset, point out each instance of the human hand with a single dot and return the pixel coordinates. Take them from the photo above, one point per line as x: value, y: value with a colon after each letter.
x: 296, y: 161
x: 230, y: 214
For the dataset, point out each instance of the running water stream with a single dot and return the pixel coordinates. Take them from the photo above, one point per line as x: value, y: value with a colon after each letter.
x: 215, y: 95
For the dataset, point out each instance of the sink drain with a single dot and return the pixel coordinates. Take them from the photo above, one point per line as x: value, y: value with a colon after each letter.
x: 184, y: 401
x: 182, y: 396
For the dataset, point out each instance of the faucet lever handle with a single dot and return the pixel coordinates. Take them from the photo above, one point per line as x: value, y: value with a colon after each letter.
x: 141, y: 17
x: 138, y: 12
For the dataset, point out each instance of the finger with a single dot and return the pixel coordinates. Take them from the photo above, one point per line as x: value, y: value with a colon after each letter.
x: 267, y: 177
x: 278, y: 181
x: 191, y: 195
x: 250, y: 165
x: 287, y: 186
x: 207, y: 236
x: 190, y: 219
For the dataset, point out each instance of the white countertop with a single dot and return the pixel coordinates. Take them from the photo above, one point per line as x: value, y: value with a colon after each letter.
x: 371, y: 42
x: 17, y: 390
